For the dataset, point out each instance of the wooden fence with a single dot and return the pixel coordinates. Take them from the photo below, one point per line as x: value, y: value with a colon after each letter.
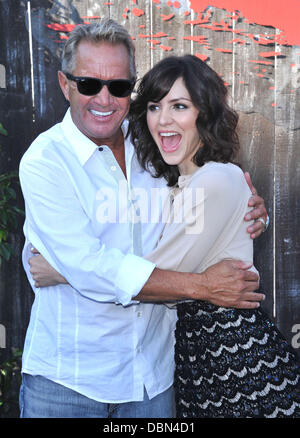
x: 264, y: 83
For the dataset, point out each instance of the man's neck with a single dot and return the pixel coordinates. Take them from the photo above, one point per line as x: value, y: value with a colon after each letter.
x: 116, y: 144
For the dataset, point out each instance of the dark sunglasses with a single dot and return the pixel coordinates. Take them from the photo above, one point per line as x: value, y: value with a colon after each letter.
x: 92, y: 86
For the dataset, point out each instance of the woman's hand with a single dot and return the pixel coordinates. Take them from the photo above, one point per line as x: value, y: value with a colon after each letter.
x: 43, y: 273
x: 259, y: 213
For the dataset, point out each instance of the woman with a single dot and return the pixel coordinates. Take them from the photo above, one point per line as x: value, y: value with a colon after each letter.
x: 229, y: 362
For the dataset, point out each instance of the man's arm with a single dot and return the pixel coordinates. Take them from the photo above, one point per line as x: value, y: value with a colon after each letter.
x: 227, y: 283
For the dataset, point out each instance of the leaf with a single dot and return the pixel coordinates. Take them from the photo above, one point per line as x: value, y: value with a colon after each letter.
x: 3, y: 130
x: 11, y: 192
x: 3, y: 217
x: 8, y: 211
x: 5, y: 251
x: 19, y: 211
x: 12, y: 221
x: 3, y: 235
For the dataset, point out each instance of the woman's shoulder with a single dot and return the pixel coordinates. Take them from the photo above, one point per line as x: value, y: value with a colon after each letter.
x: 221, y: 177
x: 222, y: 168
x: 224, y: 171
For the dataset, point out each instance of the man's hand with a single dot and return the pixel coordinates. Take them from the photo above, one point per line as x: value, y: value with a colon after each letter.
x: 259, y: 211
x: 231, y: 284
x: 43, y: 273
x: 228, y: 283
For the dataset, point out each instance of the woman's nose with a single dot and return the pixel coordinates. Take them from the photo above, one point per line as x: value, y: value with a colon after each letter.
x: 165, y: 117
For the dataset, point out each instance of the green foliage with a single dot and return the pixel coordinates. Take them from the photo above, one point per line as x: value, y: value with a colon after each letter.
x: 8, y: 209
x: 8, y: 212
x: 10, y: 370
x: 3, y: 130
x: 10, y: 380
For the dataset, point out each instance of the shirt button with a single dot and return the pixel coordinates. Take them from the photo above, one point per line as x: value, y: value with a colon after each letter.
x: 113, y: 168
x: 100, y: 149
x: 139, y: 314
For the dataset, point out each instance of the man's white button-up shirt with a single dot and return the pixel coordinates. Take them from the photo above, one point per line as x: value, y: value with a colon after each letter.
x: 94, y: 225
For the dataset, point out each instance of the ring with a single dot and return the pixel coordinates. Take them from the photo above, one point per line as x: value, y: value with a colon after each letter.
x: 265, y: 224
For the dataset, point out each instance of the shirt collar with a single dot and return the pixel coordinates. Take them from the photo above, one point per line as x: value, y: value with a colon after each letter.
x: 81, y: 144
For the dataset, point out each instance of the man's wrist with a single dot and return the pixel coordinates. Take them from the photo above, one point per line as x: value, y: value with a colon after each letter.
x: 173, y: 286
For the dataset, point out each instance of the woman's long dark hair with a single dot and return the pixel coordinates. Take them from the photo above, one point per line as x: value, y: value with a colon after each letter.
x: 216, y: 122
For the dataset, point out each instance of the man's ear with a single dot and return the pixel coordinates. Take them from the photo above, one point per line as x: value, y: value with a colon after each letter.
x: 64, y: 84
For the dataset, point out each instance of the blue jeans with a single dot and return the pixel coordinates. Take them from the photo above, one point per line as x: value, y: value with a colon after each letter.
x: 42, y: 398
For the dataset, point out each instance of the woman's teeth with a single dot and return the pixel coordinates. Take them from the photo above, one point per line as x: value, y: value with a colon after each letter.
x: 168, y: 134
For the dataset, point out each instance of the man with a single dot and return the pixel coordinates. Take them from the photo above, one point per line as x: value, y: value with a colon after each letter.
x: 97, y: 346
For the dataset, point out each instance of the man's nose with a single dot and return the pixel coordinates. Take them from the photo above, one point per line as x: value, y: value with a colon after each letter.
x: 104, y: 97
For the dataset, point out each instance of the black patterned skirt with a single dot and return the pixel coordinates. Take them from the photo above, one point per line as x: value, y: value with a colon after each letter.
x: 233, y: 363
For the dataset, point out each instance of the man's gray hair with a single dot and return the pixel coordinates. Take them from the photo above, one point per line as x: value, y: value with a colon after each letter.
x: 106, y: 30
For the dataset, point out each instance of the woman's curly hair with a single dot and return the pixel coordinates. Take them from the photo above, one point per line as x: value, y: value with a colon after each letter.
x: 216, y: 122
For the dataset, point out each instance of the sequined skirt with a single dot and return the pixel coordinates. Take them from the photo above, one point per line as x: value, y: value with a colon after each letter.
x: 233, y: 363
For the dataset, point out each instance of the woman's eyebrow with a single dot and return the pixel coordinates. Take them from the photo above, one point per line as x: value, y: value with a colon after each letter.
x: 172, y: 100
x: 180, y: 98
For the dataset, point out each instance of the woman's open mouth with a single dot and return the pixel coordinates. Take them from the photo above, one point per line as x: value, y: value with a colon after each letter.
x: 170, y: 141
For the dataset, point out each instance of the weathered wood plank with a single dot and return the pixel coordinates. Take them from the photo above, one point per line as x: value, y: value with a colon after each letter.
x: 256, y: 156
x: 287, y: 182
x: 47, y: 43
x: 16, y: 117
x: 136, y: 18
x: 169, y: 30
x: 251, y: 80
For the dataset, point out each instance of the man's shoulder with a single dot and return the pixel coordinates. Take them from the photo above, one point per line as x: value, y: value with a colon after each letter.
x: 45, y: 145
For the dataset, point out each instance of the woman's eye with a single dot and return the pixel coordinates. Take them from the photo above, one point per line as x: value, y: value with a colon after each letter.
x: 180, y: 106
x: 152, y: 107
